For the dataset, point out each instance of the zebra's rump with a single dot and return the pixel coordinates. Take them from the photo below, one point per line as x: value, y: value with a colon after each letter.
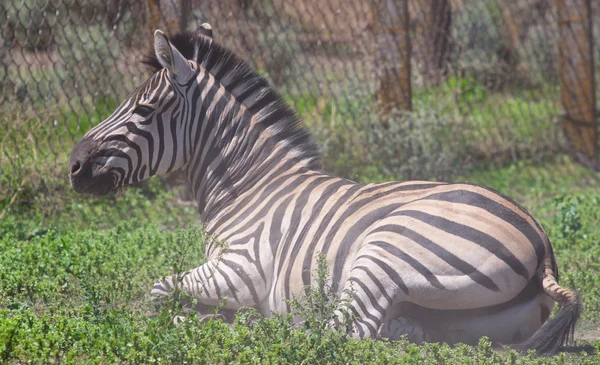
x: 461, y: 246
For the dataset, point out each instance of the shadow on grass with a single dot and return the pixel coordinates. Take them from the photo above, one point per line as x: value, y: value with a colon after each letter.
x: 588, y: 349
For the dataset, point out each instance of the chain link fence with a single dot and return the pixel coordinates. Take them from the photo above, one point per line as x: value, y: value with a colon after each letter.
x: 484, y: 78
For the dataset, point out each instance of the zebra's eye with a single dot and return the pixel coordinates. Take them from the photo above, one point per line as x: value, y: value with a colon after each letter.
x: 143, y: 110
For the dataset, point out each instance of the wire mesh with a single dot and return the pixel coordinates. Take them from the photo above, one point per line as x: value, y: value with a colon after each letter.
x: 484, y: 78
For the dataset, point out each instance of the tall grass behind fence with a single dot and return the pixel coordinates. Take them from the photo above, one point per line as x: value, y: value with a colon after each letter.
x: 484, y: 75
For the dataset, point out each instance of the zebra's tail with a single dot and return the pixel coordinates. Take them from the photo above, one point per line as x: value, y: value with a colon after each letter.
x: 559, y: 330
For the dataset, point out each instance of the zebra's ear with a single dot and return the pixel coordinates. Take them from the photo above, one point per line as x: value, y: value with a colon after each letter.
x: 171, y: 59
x: 205, y: 30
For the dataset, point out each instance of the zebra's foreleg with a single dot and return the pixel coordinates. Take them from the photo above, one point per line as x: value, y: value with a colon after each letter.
x: 221, y: 282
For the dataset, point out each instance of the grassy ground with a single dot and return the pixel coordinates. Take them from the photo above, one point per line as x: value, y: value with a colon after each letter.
x: 75, y: 272
x: 74, y: 282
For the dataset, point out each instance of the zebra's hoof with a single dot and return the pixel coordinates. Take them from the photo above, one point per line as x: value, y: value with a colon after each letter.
x: 396, y: 328
x: 159, y: 294
x: 209, y: 317
x: 179, y: 320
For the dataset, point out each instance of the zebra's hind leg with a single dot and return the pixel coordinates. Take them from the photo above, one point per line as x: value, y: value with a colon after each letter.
x: 398, y: 327
x: 368, y: 301
x: 356, y: 320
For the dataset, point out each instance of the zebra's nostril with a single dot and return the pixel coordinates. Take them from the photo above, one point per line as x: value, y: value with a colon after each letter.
x: 75, y: 168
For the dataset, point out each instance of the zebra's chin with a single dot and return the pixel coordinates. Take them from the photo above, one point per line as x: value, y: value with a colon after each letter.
x: 100, y: 185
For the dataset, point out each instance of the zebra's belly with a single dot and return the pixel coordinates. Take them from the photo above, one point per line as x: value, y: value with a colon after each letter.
x: 508, y: 322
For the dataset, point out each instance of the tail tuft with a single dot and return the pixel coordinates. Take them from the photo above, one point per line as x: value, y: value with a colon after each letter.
x: 559, y: 330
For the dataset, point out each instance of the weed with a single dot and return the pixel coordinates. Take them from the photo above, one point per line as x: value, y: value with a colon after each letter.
x: 569, y: 220
x: 322, y: 305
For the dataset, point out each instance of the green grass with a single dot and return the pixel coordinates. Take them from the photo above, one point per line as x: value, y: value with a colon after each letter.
x: 74, y: 283
x: 496, y: 124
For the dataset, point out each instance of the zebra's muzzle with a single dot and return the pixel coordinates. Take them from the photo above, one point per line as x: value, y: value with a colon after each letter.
x: 82, y: 176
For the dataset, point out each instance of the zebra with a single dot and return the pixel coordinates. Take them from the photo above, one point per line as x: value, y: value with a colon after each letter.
x: 430, y: 260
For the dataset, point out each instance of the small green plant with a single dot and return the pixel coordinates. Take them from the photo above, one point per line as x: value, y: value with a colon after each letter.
x: 322, y: 304
x: 466, y: 91
x: 568, y: 220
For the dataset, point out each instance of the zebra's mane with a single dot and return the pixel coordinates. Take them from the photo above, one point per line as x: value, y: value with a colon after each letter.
x: 250, y: 89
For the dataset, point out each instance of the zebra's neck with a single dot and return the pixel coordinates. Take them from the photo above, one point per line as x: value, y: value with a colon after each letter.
x: 236, y: 146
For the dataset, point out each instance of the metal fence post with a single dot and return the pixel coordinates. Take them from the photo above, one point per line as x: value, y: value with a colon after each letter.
x: 577, y: 84
x: 392, y: 57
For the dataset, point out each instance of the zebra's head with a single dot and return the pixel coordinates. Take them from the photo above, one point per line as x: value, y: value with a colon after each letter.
x: 140, y: 138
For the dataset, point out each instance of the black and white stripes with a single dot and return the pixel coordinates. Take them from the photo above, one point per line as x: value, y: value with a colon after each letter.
x: 435, y: 261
